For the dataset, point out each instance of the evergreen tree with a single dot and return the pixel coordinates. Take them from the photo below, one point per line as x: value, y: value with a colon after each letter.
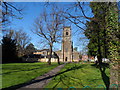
x: 9, y: 52
x: 30, y: 49
x: 96, y: 31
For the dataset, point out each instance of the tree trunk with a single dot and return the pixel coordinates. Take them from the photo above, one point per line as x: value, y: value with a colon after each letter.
x: 105, y: 78
x: 99, y: 47
x: 114, y: 73
x: 50, y: 55
x: 58, y: 61
x: 113, y: 48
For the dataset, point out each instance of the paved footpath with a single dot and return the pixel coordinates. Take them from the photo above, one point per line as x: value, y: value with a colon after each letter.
x: 41, y: 81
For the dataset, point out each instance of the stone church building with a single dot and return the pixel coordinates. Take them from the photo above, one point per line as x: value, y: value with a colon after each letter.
x: 67, y: 53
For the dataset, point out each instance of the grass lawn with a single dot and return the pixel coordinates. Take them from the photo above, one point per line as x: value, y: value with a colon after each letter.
x: 78, y: 76
x: 17, y: 73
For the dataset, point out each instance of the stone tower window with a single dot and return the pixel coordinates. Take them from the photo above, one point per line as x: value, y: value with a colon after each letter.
x: 66, y: 33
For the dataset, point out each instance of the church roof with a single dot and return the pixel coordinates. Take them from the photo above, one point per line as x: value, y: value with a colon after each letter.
x: 42, y: 50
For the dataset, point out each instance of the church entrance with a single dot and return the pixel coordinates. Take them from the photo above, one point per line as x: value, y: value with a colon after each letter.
x: 66, y: 59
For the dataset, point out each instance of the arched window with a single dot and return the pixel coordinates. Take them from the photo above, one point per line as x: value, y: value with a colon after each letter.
x: 66, y: 33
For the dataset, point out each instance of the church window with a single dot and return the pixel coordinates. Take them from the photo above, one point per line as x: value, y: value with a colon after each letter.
x: 66, y: 33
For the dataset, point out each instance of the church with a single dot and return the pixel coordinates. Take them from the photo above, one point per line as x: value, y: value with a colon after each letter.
x: 67, y: 53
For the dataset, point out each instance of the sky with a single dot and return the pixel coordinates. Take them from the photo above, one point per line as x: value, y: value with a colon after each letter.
x: 33, y: 9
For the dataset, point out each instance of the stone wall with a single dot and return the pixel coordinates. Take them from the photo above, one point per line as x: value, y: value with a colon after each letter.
x: 46, y: 60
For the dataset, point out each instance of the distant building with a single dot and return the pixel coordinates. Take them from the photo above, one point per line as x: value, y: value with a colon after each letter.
x: 84, y: 57
x: 88, y: 58
x: 91, y: 59
x: 43, y: 52
x: 67, y: 54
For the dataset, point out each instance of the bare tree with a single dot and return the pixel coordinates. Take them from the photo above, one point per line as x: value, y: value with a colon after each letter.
x: 9, y: 10
x: 21, y: 38
x: 79, y: 16
x: 48, y: 26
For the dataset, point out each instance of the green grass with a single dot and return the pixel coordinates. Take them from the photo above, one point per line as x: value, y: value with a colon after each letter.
x: 78, y: 75
x: 17, y: 73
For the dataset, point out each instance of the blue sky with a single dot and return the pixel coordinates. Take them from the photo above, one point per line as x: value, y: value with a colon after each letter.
x: 32, y: 10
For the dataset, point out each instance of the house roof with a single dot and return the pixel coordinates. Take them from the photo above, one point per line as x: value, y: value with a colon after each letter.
x: 42, y: 50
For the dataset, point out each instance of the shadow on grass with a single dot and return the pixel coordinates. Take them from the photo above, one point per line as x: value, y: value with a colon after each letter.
x: 20, y: 71
x: 66, y: 78
x: 35, y: 81
x: 24, y: 70
x: 104, y: 76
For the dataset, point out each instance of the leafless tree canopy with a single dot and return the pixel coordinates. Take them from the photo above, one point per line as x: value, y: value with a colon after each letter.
x: 49, y: 26
x: 20, y: 36
x: 22, y: 40
x: 9, y: 10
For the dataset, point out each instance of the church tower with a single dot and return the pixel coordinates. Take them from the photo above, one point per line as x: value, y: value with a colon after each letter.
x: 67, y: 48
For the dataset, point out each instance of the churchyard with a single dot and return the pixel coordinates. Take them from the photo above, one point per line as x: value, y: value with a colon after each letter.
x: 17, y: 73
x: 77, y: 75
x: 60, y: 45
